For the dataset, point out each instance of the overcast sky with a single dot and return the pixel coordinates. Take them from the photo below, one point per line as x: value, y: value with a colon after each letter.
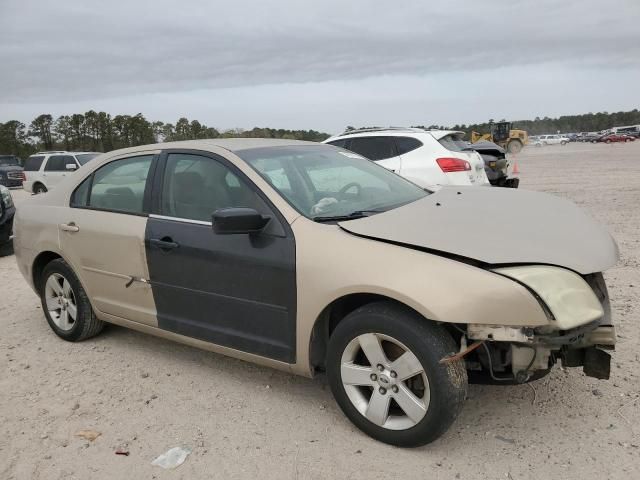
x: 319, y: 64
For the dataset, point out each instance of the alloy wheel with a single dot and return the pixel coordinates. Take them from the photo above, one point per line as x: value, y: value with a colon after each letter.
x: 61, y: 301
x: 385, y: 381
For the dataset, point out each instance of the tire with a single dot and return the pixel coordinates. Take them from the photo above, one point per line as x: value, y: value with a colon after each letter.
x: 514, y: 146
x: 563, y: 143
x: 39, y: 188
x: 435, y: 393
x: 57, y: 303
x: 607, y: 141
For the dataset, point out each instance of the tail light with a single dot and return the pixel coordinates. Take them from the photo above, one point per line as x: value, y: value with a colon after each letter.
x: 449, y: 165
x: 24, y: 177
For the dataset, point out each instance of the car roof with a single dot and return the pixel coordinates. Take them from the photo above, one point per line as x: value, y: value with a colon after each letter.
x: 395, y: 131
x: 232, y: 144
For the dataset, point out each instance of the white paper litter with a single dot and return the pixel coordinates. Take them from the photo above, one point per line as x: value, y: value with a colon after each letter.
x: 172, y: 458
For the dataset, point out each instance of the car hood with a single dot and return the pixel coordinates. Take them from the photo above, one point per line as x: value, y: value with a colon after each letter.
x: 496, y: 226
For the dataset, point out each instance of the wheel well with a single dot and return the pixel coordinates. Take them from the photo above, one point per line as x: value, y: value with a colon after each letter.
x: 330, y: 317
x: 41, y: 261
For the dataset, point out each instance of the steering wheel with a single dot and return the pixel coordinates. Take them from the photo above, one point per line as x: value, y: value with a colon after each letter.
x: 348, y: 186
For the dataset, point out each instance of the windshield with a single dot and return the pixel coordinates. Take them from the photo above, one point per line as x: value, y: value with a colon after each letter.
x: 323, y: 182
x: 9, y: 160
x: 85, y: 157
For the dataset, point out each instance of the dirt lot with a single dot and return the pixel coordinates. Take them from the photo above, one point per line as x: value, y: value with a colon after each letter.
x: 242, y: 421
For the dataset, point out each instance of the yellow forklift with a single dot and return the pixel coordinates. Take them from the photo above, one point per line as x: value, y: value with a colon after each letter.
x: 504, y: 135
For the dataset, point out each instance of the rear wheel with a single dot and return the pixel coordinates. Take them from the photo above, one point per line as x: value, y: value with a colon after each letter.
x: 607, y: 141
x: 384, y: 372
x: 38, y: 188
x: 65, y: 303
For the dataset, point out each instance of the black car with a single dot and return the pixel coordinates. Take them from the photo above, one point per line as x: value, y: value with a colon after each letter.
x: 7, y: 212
x: 10, y: 171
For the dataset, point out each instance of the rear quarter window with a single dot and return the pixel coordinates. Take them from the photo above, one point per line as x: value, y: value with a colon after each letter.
x: 407, y: 144
x: 453, y: 143
x: 33, y: 163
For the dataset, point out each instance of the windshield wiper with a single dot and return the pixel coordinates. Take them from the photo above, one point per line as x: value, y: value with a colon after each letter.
x: 351, y: 216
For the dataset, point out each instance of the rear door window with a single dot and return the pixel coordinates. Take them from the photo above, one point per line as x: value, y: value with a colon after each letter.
x: 58, y: 163
x: 118, y: 186
x: 33, y: 163
x: 374, y: 148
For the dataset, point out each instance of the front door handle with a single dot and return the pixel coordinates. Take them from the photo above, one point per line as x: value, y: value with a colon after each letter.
x: 164, y: 243
x: 69, y: 227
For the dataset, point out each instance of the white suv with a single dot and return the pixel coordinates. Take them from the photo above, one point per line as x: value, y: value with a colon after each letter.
x: 45, y: 170
x: 426, y: 157
x: 550, y: 140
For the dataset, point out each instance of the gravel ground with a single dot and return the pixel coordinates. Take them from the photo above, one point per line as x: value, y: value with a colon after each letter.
x: 146, y: 395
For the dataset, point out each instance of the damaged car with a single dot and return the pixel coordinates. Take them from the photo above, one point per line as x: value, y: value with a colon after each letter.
x: 309, y: 258
x: 496, y: 164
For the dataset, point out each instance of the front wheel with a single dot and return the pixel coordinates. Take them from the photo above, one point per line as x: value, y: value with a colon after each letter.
x: 384, y: 372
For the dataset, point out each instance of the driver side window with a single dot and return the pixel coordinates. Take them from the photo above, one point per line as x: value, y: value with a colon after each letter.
x: 195, y: 186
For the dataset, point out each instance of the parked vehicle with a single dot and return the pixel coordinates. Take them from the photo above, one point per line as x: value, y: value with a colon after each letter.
x: 426, y: 157
x: 7, y: 212
x: 10, y: 171
x: 44, y: 170
x: 496, y: 165
x: 614, y: 138
x: 551, y: 140
x: 307, y: 257
x: 633, y: 130
x: 590, y: 136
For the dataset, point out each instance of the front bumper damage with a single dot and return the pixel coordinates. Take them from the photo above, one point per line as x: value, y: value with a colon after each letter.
x: 517, y: 353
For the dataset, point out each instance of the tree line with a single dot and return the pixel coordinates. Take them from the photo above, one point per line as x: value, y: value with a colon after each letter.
x: 101, y: 132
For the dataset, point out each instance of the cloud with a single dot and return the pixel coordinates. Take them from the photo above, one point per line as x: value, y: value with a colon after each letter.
x: 59, y: 52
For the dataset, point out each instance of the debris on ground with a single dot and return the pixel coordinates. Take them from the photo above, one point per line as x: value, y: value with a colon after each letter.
x: 121, y: 451
x: 172, y: 458
x: 90, y: 435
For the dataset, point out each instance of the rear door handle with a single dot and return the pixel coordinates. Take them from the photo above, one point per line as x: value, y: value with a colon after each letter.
x: 69, y: 227
x: 164, y: 243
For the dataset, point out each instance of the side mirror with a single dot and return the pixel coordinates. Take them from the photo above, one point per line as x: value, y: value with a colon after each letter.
x: 71, y: 166
x: 228, y: 221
